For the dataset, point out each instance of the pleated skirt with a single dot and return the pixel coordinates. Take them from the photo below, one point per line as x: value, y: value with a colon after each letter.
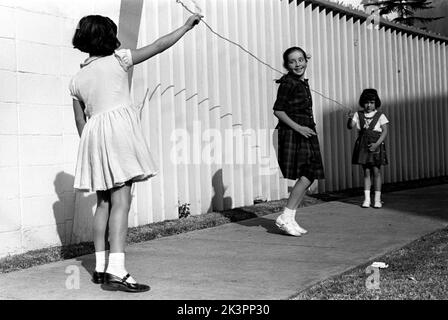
x: 112, y: 151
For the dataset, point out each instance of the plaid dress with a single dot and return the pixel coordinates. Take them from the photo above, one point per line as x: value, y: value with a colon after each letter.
x: 297, y: 156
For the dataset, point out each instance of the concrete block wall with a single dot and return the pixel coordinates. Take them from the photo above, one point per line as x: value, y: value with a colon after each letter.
x: 38, y: 137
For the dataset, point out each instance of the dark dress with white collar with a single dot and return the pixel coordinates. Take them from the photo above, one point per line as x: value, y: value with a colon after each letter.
x: 367, y: 135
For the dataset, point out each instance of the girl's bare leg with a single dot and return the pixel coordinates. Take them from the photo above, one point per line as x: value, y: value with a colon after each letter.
x: 367, y: 186
x: 298, y: 192
x: 118, y: 220
x: 377, y: 180
x: 287, y: 221
x: 100, y: 220
x: 100, y: 233
x: 377, y: 186
x: 118, y: 228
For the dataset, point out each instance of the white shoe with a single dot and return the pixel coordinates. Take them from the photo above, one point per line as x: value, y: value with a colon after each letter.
x: 378, y: 204
x: 366, y: 204
x: 298, y: 227
x: 287, y: 226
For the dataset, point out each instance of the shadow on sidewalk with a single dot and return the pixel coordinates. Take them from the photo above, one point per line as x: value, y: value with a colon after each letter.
x: 267, y: 224
x: 412, y: 202
x: 246, y: 215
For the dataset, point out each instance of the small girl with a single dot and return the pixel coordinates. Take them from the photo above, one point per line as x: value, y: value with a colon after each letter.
x: 112, y: 151
x: 369, y: 150
x: 299, y: 155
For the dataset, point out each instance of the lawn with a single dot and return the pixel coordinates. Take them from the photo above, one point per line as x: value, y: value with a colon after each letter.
x: 418, y: 271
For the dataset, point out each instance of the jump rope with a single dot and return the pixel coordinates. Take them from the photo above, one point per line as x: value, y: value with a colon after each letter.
x: 198, y: 11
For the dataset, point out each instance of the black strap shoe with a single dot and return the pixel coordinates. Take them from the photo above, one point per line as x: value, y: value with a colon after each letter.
x: 114, y: 283
x: 98, y: 277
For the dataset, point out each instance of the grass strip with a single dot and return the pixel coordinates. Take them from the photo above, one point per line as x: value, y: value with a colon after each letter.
x: 417, y: 271
x: 146, y: 233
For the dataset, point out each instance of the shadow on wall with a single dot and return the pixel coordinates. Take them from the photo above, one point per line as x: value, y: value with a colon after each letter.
x: 82, y: 205
x: 416, y: 144
x: 219, y: 202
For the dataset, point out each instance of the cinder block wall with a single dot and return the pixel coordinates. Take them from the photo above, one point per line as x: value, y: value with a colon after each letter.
x: 38, y: 137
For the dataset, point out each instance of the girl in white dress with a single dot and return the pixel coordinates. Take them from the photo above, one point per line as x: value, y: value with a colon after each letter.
x: 112, y: 151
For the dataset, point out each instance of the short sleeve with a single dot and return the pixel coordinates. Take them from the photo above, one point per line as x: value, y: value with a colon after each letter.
x: 282, y: 101
x: 124, y: 57
x: 356, y: 120
x: 383, y: 120
x: 73, y: 91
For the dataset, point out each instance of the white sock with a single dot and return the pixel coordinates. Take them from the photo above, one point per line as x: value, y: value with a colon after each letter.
x: 367, y: 195
x: 116, y: 266
x: 100, y: 261
x: 289, y: 213
x: 377, y: 196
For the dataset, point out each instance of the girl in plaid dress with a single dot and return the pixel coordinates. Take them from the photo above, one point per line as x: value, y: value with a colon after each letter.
x: 299, y: 155
x: 369, y: 150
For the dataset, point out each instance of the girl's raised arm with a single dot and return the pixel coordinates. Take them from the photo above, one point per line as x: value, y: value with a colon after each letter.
x: 163, y: 43
x: 350, y: 122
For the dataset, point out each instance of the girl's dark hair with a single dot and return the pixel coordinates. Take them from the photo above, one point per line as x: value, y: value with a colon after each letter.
x: 96, y: 35
x: 288, y: 52
x: 368, y: 95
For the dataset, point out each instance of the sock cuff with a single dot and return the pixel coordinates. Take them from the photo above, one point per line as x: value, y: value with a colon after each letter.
x: 289, y: 211
x: 116, y: 254
x: 100, y: 253
x: 377, y: 195
x: 116, y: 257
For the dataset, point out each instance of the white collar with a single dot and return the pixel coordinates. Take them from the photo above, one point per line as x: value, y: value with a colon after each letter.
x: 89, y: 60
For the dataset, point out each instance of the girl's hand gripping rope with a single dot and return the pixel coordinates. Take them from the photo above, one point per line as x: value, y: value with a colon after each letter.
x: 350, y: 114
x: 193, y: 20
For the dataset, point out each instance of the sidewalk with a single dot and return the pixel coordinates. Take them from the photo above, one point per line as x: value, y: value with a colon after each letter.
x: 251, y: 259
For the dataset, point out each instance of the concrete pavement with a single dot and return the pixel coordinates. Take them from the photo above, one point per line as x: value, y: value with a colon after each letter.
x: 249, y: 259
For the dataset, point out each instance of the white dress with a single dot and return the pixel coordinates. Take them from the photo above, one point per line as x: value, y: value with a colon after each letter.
x: 112, y: 149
